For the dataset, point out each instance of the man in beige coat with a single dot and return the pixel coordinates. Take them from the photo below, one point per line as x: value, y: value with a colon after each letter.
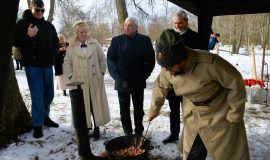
x: 214, y: 99
x: 85, y: 62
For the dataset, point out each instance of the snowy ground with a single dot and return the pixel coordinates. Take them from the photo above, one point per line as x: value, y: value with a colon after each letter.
x: 60, y: 143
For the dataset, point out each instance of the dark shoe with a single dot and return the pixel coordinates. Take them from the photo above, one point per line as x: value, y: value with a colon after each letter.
x: 49, y: 123
x: 128, y: 133
x: 170, y: 139
x: 38, y: 132
x: 64, y: 93
x: 95, y: 134
x: 139, y: 134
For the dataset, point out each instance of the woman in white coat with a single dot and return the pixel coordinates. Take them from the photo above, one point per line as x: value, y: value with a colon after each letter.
x: 85, y: 62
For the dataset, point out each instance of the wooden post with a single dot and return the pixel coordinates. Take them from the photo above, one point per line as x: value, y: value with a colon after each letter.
x: 263, y: 60
x: 254, y: 63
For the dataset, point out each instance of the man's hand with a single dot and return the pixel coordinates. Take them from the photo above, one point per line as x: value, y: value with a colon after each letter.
x: 32, y: 30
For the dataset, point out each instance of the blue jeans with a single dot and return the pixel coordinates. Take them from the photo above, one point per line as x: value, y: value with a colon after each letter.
x: 40, y: 82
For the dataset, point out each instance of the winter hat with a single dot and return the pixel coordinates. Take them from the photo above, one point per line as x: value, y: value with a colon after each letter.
x: 170, y: 48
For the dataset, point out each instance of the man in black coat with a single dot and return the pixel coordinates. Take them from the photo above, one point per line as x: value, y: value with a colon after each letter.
x: 38, y: 42
x: 131, y: 59
x: 191, y: 39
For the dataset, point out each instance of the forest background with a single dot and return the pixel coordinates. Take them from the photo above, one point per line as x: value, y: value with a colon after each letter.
x: 105, y: 20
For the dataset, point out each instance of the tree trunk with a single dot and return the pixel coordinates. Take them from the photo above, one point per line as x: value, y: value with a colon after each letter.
x: 5, y: 49
x: 234, y: 34
x: 15, y: 118
x: 51, y: 11
x: 121, y: 12
x: 265, y: 41
x: 240, y: 34
x: 248, y: 33
x: 28, y: 3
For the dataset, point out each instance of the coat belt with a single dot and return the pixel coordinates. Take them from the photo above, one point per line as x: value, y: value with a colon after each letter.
x: 209, y: 100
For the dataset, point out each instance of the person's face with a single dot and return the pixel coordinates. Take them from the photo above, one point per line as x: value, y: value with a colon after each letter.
x: 177, y: 68
x: 37, y: 12
x: 130, y: 28
x: 179, y: 23
x: 82, y: 33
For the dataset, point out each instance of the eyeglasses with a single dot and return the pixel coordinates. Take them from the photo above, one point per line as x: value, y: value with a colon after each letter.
x: 40, y: 10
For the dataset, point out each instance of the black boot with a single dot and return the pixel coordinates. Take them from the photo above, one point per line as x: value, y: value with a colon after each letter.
x: 49, y: 123
x: 64, y: 93
x: 170, y: 139
x: 96, y: 134
x: 38, y: 132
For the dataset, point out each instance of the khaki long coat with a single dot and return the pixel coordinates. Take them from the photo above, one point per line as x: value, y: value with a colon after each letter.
x: 89, y: 68
x: 220, y: 123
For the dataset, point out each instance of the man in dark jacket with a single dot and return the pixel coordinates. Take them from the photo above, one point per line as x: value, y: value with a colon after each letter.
x: 38, y: 41
x: 191, y: 39
x: 130, y: 60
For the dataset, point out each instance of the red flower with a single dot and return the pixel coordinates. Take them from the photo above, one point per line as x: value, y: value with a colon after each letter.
x: 253, y: 82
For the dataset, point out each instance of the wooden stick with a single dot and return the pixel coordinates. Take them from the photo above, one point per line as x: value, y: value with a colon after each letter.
x: 254, y: 69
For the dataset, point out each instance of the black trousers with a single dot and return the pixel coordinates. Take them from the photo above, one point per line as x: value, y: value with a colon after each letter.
x: 124, y: 101
x: 174, y: 103
x: 198, y: 150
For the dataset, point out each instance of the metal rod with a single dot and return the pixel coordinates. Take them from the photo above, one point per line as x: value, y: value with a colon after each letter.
x: 143, y: 139
x: 267, y: 81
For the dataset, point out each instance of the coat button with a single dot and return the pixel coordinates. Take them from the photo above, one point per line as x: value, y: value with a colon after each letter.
x: 93, y: 65
x: 94, y: 74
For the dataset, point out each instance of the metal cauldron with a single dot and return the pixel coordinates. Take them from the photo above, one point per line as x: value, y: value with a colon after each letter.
x: 125, y: 142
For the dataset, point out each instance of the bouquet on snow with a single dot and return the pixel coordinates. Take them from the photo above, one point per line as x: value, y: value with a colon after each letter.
x: 254, y: 82
x: 255, y: 90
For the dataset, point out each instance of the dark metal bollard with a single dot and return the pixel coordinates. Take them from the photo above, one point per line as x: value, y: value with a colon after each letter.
x: 79, y: 121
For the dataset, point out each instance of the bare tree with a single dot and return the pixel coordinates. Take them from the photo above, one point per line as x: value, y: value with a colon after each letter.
x: 14, y: 117
x: 69, y: 14
x: 51, y: 11
x: 28, y: 2
x: 121, y: 11
x: 155, y: 27
x: 237, y: 33
x: 249, y: 18
x: 100, y: 31
x: 264, y: 38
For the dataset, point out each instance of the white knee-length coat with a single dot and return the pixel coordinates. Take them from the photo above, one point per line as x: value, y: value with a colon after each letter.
x: 89, y: 68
